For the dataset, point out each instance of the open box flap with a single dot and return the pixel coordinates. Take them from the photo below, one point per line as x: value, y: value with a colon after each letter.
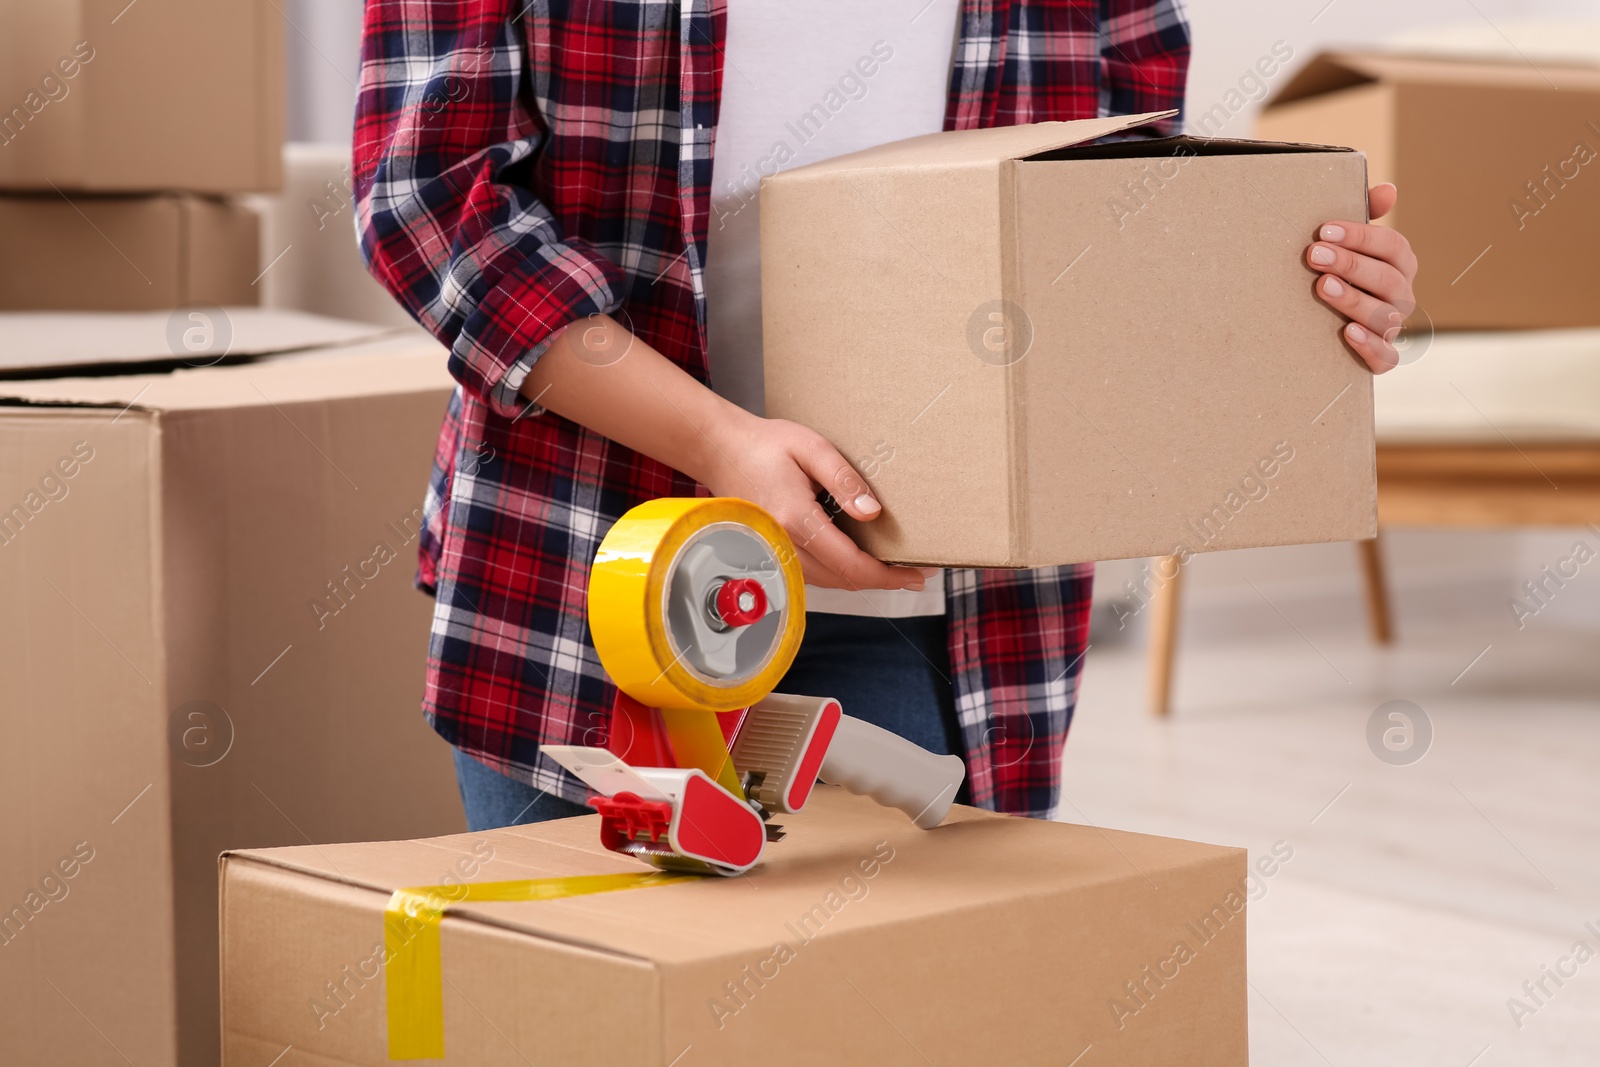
x: 35, y: 344
x: 387, y: 365
x: 1330, y: 72
x: 982, y: 146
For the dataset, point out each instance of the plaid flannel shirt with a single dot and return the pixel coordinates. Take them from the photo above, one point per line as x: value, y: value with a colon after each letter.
x: 519, y: 167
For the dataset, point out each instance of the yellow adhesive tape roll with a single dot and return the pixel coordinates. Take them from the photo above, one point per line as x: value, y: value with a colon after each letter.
x: 412, y: 967
x: 628, y: 602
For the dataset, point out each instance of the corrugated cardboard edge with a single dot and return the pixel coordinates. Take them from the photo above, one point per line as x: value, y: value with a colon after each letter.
x: 262, y: 858
x: 243, y: 856
x: 1335, y: 70
x: 422, y: 374
x: 993, y: 144
x: 1019, y: 542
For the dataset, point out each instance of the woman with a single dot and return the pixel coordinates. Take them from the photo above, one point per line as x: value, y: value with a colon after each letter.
x: 561, y: 192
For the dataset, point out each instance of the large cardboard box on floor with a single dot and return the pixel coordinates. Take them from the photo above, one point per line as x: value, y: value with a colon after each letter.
x: 1040, y: 351
x: 112, y: 96
x: 126, y: 253
x: 210, y: 639
x: 1493, y: 161
x: 859, y: 940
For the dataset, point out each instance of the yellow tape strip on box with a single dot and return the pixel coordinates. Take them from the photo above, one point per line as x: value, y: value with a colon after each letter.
x: 413, y: 972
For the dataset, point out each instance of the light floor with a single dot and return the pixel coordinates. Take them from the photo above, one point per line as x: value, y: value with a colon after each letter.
x: 1420, y: 897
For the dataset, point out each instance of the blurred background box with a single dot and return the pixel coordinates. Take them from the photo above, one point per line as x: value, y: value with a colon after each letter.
x: 125, y: 253
x: 1498, y: 164
x: 112, y: 96
x: 212, y: 641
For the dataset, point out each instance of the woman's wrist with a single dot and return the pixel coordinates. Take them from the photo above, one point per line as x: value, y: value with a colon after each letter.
x: 723, y: 433
x: 599, y: 375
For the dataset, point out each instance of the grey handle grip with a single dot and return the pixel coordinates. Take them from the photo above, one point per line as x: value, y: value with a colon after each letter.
x: 870, y: 761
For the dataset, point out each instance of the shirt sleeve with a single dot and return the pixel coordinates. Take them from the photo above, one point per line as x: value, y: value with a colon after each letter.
x: 1144, y: 56
x: 446, y: 220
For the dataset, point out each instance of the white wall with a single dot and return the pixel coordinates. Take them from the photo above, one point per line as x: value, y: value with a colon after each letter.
x: 323, y: 40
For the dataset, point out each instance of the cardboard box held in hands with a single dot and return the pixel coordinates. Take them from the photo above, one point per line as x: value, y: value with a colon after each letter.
x: 864, y: 941
x: 1039, y: 350
x: 1499, y: 191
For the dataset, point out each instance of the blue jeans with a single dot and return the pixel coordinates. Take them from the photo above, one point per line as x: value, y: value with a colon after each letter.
x: 492, y: 800
x: 894, y: 673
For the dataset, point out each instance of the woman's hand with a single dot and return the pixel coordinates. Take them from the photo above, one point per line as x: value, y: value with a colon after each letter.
x: 780, y: 466
x: 1367, y: 274
x: 599, y: 375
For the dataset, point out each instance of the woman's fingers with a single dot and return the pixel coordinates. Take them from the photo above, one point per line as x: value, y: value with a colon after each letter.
x: 830, y: 470
x: 1380, y: 318
x: 803, y: 462
x: 853, y: 568
x: 1377, y: 242
x: 1367, y: 274
x: 1378, y: 353
x: 815, y: 573
x: 1380, y: 278
x: 1381, y: 199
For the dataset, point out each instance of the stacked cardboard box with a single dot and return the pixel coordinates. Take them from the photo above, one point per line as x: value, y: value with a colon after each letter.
x: 1506, y: 235
x: 211, y: 641
x: 125, y: 128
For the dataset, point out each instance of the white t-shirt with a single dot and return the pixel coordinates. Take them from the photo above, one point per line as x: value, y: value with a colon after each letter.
x: 805, y: 82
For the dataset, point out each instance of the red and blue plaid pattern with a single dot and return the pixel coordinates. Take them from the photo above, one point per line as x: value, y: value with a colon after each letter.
x: 519, y: 167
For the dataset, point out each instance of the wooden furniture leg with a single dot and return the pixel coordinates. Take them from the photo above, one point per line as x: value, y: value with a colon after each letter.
x: 1164, y: 603
x: 1377, y: 592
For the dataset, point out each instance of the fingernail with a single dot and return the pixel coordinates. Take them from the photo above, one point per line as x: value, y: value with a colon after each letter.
x: 915, y: 587
x: 1332, y: 286
x: 1321, y: 254
x: 1330, y: 232
x: 866, y: 502
x: 1355, y: 332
